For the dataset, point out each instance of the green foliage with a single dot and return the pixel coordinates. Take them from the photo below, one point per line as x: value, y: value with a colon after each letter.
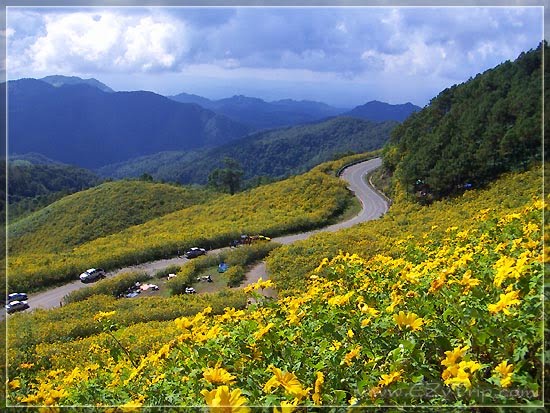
x: 33, y: 186
x: 112, y: 286
x: 98, y: 212
x: 473, y: 132
x: 227, y: 179
x: 171, y: 269
x: 75, y: 321
x: 235, y: 275
x: 287, y: 206
x: 270, y: 154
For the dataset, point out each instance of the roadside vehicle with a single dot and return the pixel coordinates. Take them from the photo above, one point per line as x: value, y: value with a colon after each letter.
x: 190, y: 290
x: 17, y: 297
x: 195, y: 252
x: 91, y: 275
x: 15, y: 306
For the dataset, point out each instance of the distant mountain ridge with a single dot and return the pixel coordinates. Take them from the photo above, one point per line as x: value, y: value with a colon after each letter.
x: 81, y: 125
x: 259, y: 114
x: 380, y: 111
x: 59, y: 80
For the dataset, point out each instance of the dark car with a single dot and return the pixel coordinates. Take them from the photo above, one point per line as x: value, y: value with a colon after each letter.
x: 17, y: 297
x: 195, y: 252
x: 15, y: 306
x: 91, y: 275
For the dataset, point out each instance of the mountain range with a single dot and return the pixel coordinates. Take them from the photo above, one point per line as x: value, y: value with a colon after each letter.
x: 84, y: 122
x: 259, y: 114
x: 83, y: 125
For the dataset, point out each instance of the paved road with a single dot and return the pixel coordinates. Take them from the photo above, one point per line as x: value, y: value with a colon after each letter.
x: 373, y: 206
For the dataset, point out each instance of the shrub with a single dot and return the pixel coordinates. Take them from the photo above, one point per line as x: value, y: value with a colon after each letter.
x: 171, y: 269
x: 235, y: 275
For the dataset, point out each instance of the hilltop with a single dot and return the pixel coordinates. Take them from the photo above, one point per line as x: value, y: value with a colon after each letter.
x: 97, y: 212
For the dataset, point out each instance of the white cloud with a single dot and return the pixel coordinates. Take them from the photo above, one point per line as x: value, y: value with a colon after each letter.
x: 105, y: 41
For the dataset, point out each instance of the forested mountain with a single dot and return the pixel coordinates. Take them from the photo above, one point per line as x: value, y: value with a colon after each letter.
x: 58, y: 80
x: 274, y: 153
x: 32, y: 158
x: 33, y: 185
x: 259, y: 114
x: 471, y: 133
x: 380, y: 111
x: 81, y: 125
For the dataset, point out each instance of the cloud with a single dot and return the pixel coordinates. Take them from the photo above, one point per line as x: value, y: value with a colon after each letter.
x: 388, y: 45
x: 100, y: 41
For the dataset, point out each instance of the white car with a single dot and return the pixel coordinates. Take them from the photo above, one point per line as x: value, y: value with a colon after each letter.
x: 91, y: 275
x: 16, y: 306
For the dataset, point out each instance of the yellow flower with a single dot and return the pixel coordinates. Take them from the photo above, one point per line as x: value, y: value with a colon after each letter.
x: 335, y: 346
x: 263, y: 331
x: 387, y: 379
x: 468, y: 282
x: 222, y: 400
x: 14, y: 384
x: 462, y: 379
x: 286, y: 407
x: 354, y: 353
x: 454, y: 355
x: 410, y: 320
x: 218, y: 376
x: 318, y: 383
x: 339, y: 300
x: 365, y: 309
x: 101, y: 315
x: 231, y: 313
x: 287, y: 380
x: 505, y: 373
x: 26, y: 365
x: 506, y: 300
x: 350, y: 333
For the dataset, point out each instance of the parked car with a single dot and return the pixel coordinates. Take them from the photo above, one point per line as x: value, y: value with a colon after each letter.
x: 15, y: 306
x: 17, y: 297
x: 91, y: 275
x: 195, y: 252
x: 190, y: 290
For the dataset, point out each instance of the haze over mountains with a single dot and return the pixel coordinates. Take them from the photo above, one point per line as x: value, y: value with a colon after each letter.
x: 260, y: 114
x: 84, y: 122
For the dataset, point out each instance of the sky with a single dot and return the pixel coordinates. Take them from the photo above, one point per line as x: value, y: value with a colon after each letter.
x: 343, y: 56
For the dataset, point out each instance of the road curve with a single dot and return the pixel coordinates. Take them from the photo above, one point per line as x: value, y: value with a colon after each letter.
x: 373, y: 206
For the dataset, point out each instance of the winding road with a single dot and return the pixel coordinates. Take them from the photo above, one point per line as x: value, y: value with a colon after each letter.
x: 373, y: 203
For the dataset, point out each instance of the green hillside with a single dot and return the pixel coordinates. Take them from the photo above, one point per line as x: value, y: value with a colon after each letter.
x: 377, y: 314
x: 97, y: 212
x: 35, y: 181
x: 471, y: 133
x: 53, y: 250
x: 275, y: 153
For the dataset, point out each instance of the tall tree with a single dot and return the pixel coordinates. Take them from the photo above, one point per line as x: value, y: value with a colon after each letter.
x: 227, y: 179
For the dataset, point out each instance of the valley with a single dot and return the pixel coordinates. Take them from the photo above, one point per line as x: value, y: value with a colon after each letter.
x: 373, y: 206
x: 343, y: 301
